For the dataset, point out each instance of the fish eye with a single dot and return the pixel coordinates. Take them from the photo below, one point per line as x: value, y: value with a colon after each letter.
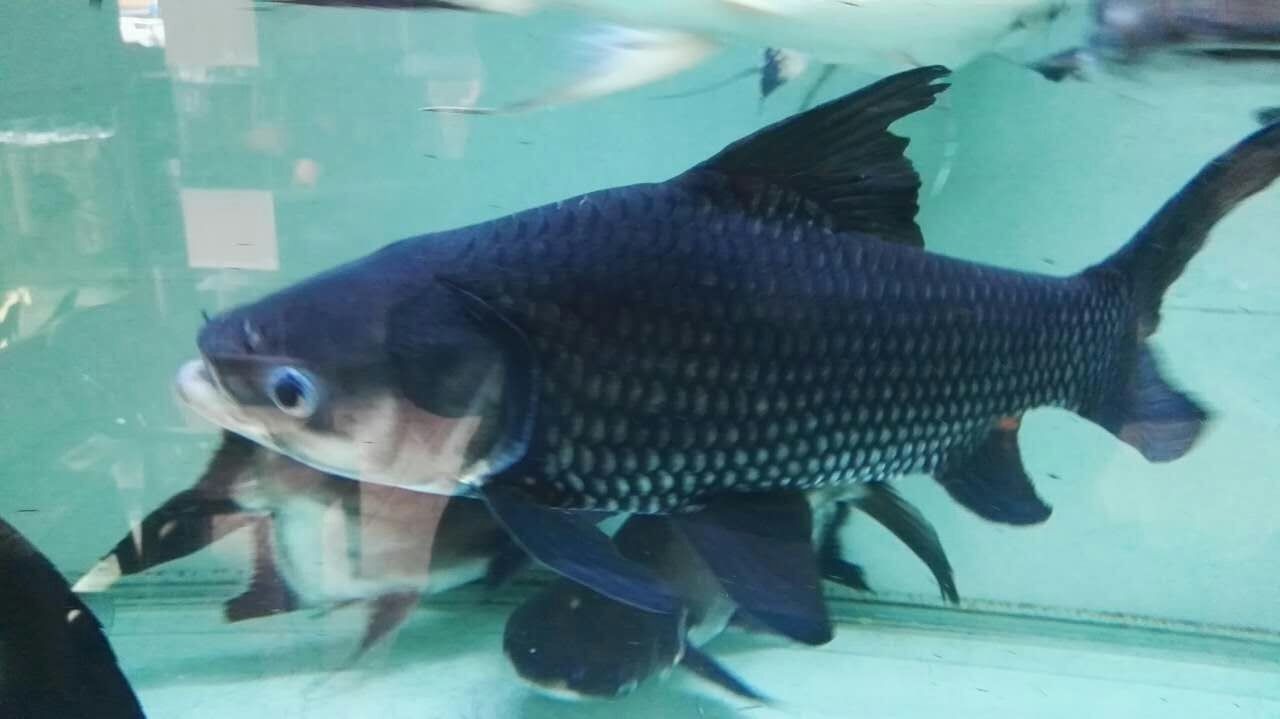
x: 293, y: 392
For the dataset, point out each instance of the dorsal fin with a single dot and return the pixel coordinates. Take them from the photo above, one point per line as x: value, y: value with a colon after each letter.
x: 838, y: 159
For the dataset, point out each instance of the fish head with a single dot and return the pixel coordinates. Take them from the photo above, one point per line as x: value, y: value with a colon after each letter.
x: 343, y: 385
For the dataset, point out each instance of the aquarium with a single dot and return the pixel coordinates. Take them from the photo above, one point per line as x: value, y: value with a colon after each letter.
x: 713, y: 358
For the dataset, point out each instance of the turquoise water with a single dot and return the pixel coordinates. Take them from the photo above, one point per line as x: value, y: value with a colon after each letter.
x: 144, y: 182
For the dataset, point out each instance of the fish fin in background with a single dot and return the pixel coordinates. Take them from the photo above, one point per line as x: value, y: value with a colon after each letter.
x: 65, y: 308
x: 572, y: 545
x: 760, y: 548
x: 1068, y: 64
x: 56, y: 659
x: 843, y: 572
x: 837, y: 162
x: 992, y: 483
x: 268, y: 592
x: 1146, y: 412
x: 905, y: 522
x: 831, y: 562
x: 386, y: 614
x: 621, y: 59
x: 1267, y: 115
x: 705, y: 666
x: 186, y: 523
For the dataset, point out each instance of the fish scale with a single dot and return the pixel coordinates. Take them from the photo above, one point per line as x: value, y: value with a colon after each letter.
x: 717, y: 372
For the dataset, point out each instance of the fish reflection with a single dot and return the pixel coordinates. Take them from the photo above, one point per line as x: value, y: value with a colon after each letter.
x: 569, y: 641
x: 1168, y: 40
x: 318, y: 541
x: 640, y: 43
x: 55, y: 660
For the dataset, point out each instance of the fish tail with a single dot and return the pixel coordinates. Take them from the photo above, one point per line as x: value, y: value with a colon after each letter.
x: 1145, y: 410
x: 1158, y: 253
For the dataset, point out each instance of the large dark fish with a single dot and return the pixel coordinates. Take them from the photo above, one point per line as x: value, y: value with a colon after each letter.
x: 318, y: 541
x: 766, y: 322
x: 1126, y: 29
x: 1232, y: 39
x: 568, y: 640
x: 55, y: 661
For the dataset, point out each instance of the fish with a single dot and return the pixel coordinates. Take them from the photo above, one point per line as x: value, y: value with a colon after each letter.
x: 876, y: 35
x: 570, y: 642
x: 55, y: 659
x: 765, y: 322
x: 612, y: 58
x: 318, y: 541
x: 641, y: 43
x: 1174, y: 42
x: 1126, y: 29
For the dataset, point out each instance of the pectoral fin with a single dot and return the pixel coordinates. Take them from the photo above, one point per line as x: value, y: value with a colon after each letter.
x: 760, y: 548
x: 571, y: 544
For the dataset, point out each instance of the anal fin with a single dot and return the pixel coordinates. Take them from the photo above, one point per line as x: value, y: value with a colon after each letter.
x: 843, y: 572
x: 760, y: 547
x: 1151, y: 416
x: 906, y: 523
x: 831, y: 562
x: 992, y: 483
x: 573, y: 546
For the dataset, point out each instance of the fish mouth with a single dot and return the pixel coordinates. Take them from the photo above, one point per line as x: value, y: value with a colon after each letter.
x: 197, y: 390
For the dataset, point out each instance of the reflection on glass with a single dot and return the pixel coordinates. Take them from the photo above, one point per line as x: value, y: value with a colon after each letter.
x: 230, y: 228
x: 140, y: 22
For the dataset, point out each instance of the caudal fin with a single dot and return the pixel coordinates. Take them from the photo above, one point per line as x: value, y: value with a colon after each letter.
x: 1158, y: 253
x: 1145, y: 410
